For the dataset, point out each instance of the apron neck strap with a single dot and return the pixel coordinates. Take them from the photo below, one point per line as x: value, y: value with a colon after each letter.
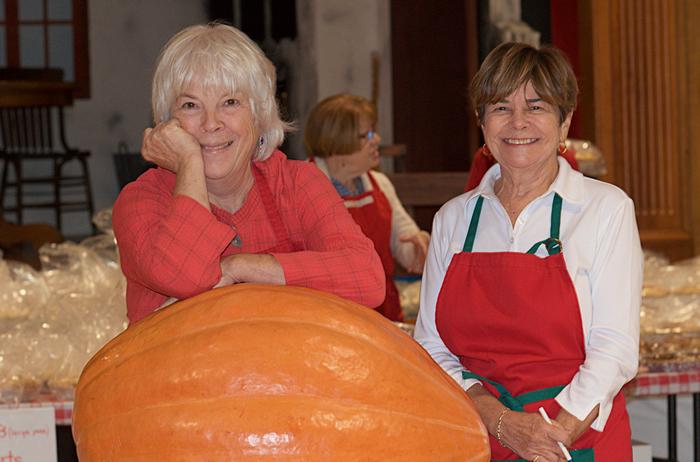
x: 271, y: 210
x: 473, y: 224
x: 552, y: 243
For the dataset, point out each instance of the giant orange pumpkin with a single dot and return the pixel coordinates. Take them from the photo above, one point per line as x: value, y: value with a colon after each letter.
x: 253, y: 372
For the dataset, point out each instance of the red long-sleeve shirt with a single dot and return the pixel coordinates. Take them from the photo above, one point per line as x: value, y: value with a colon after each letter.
x: 171, y: 246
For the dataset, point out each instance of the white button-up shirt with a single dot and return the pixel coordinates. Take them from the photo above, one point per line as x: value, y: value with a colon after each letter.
x: 603, y: 256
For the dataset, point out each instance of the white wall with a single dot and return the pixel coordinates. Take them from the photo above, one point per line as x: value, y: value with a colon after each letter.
x: 346, y: 35
x: 125, y: 39
x: 337, y: 38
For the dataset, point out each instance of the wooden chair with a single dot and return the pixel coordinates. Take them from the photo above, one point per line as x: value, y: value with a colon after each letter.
x: 31, y: 131
x: 422, y: 193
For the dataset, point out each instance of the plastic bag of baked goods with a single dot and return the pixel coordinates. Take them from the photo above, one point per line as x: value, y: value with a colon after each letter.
x: 670, y: 314
x: 52, y: 321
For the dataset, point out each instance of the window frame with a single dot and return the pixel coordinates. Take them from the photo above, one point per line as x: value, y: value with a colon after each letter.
x: 79, y: 24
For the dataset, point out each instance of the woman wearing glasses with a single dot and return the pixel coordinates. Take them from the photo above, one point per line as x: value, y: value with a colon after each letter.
x: 340, y: 138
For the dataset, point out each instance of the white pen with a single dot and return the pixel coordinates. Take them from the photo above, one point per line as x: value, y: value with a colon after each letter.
x: 546, y: 418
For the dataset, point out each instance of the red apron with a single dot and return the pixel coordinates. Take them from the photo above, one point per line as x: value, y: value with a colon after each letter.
x: 283, y: 242
x: 514, y: 321
x: 372, y: 212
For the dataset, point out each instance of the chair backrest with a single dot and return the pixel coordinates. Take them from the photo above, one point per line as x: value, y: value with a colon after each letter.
x: 31, y: 117
x: 427, y: 189
x: 31, y: 74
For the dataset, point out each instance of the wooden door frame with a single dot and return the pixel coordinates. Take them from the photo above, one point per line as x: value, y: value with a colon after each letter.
x: 605, y: 85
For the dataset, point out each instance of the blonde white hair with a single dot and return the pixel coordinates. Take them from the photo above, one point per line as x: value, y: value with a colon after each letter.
x: 220, y: 56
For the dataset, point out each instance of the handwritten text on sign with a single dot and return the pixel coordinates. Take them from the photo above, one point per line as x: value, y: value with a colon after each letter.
x: 27, y: 434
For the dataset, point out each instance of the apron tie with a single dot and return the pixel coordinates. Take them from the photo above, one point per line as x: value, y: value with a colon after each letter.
x: 517, y: 403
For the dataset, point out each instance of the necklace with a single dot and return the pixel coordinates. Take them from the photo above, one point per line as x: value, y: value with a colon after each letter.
x: 236, y: 241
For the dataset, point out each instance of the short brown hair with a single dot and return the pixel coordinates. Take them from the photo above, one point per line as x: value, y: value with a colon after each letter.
x: 334, y: 123
x: 511, y: 65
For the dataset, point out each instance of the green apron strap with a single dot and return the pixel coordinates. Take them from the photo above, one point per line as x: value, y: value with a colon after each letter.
x: 505, y: 397
x: 516, y: 403
x: 539, y: 395
x: 577, y: 455
x: 552, y: 243
x: 473, y: 224
x: 556, y: 217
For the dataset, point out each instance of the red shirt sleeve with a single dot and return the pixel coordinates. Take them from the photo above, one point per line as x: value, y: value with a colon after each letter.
x: 338, y: 257
x: 170, y: 245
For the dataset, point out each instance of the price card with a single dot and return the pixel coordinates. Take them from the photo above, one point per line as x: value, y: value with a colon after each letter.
x: 28, y: 435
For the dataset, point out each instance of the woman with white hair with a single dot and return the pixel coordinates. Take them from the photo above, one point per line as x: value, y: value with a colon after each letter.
x: 225, y: 206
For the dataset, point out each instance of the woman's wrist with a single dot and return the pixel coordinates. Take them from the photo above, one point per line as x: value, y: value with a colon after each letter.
x: 490, y: 409
x: 499, y: 428
x: 573, y: 425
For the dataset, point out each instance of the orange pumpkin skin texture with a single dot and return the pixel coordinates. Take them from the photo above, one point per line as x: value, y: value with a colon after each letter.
x: 271, y: 373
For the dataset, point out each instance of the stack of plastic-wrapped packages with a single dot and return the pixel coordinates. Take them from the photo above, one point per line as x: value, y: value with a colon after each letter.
x: 670, y: 323
x: 52, y: 321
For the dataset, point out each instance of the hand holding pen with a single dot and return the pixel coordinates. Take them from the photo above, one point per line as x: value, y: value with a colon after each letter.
x: 561, y: 445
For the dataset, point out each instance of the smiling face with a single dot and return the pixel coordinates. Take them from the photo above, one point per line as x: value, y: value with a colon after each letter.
x: 367, y: 155
x: 223, y: 124
x: 523, y: 131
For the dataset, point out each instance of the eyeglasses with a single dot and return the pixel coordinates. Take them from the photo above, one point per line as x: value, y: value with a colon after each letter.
x: 367, y: 136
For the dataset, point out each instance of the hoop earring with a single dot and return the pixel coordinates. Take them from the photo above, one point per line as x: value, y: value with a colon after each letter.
x: 485, y: 150
x: 562, y: 149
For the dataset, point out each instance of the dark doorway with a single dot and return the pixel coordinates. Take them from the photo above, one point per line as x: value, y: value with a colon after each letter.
x: 434, y: 54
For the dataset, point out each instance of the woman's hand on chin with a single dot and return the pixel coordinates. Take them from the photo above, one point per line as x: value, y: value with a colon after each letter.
x: 169, y: 146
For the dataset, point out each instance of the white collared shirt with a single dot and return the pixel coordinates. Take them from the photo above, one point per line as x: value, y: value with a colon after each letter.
x: 603, y: 256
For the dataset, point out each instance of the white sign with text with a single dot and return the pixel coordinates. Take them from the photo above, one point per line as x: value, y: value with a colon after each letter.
x: 28, y: 435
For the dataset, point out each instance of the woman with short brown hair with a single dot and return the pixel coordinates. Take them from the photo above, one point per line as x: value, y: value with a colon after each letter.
x: 531, y: 292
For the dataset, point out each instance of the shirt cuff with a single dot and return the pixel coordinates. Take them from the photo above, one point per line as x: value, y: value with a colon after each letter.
x: 466, y: 384
x: 580, y: 410
x: 295, y: 271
